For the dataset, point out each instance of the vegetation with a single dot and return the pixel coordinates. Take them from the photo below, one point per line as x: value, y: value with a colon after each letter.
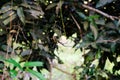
x: 31, y: 29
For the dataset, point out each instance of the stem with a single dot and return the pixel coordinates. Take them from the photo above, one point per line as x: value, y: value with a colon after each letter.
x: 100, y: 12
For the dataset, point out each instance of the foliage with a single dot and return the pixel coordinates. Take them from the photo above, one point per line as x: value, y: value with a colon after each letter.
x: 31, y: 30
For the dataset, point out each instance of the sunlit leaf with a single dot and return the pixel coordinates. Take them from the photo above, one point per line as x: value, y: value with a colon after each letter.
x: 12, y: 61
x: 37, y: 74
x: 32, y: 64
x: 13, y: 73
x: 21, y: 15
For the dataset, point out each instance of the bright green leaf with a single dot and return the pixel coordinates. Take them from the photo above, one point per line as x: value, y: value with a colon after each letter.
x: 12, y: 61
x: 37, y: 74
x: 32, y: 64
x: 13, y: 73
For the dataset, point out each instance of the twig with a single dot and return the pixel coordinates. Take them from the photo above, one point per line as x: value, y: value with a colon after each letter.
x: 62, y: 70
x: 78, y: 26
x: 100, y: 12
x: 71, y: 74
x: 106, y: 41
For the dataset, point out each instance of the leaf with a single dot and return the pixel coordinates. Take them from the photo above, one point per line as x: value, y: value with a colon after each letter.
x: 100, y: 21
x: 90, y: 56
x: 32, y: 64
x: 7, y: 14
x: 94, y: 30
x: 9, y: 19
x: 6, y: 48
x: 118, y: 24
x: 1, y: 64
x: 113, y: 47
x: 51, y: 6
x: 5, y: 9
x: 103, y: 2
x: 25, y: 5
x: 37, y: 74
x: 14, y: 63
x: 85, y: 24
x: 110, y: 25
x: 13, y: 73
x: 98, y: 54
x: 82, y: 15
x: 83, y: 44
x: 26, y: 52
x: 91, y: 17
x: 21, y: 15
x: 34, y: 13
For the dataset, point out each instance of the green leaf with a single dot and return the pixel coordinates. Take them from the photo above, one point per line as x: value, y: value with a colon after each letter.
x: 13, y: 73
x: 32, y: 64
x: 113, y: 47
x: 98, y: 54
x: 21, y: 15
x: 103, y: 2
x: 95, y: 16
x: 37, y: 74
x: 82, y: 15
x: 12, y: 61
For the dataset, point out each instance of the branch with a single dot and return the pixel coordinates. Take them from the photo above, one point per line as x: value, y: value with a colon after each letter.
x: 62, y: 70
x: 100, y: 12
x: 78, y: 26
